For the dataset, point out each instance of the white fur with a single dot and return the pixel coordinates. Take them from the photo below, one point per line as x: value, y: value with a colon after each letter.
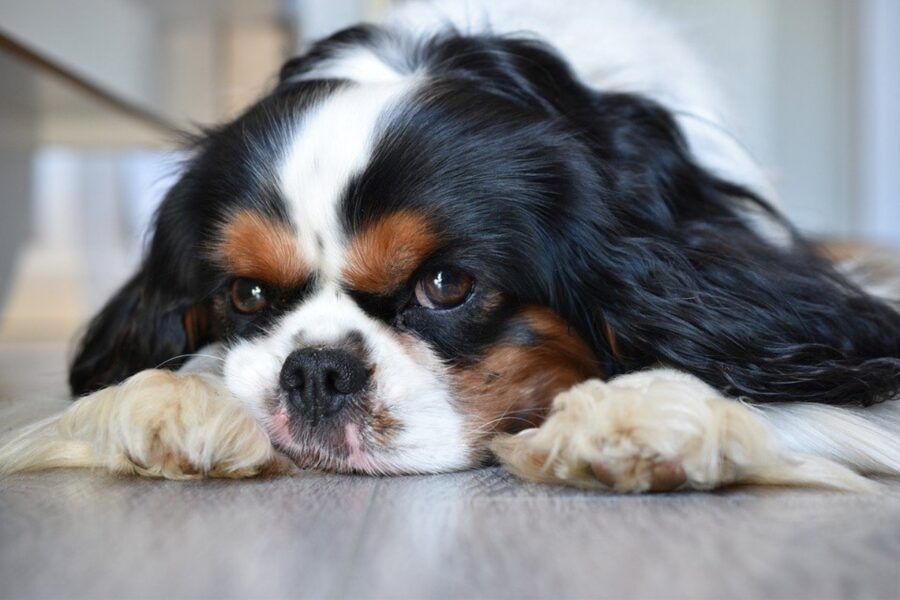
x: 412, y: 388
x: 634, y: 432
x: 358, y: 64
x: 157, y: 424
x: 332, y: 144
x: 864, y: 439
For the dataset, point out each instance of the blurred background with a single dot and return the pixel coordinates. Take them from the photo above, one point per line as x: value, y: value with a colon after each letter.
x: 93, y: 94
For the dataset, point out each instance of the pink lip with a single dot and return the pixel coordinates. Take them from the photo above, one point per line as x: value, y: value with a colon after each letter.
x: 356, y: 458
x: 279, y: 427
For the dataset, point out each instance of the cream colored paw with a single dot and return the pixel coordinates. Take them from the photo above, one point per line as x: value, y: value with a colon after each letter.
x: 658, y: 430
x: 157, y: 423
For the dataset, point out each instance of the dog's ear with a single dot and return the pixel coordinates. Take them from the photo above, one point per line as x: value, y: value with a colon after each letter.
x: 139, y: 328
x: 662, y: 261
x: 161, y: 314
x: 680, y: 272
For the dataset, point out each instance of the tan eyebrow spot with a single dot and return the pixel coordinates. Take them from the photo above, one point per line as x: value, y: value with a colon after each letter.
x: 385, y: 254
x: 255, y: 246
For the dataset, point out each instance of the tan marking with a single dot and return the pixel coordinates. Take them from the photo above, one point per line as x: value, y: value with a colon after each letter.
x: 258, y: 247
x: 613, y: 341
x: 196, y: 326
x: 385, y: 427
x: 385, y: 254
x: 512, y: 386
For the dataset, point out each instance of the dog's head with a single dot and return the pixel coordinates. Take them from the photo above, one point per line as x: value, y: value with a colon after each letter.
x: 409, y: 246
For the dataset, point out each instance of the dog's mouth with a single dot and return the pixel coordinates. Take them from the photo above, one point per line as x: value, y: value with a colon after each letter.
x: 356, y: 442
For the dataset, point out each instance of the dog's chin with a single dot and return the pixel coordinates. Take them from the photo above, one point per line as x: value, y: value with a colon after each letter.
x: 317, y: 458
x: 338, y: 446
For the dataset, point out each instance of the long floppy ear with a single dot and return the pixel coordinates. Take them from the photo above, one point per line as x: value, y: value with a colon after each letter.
x: 681, y: 273
x: 661, y: 261
x: 155, y: 318
x: 139, y: 328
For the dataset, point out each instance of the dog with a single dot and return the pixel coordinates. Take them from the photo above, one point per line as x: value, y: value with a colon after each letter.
x: 480, y: 232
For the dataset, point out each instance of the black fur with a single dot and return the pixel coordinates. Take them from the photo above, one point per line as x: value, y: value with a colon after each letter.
x: 142, y: 326
x: 553, y: 194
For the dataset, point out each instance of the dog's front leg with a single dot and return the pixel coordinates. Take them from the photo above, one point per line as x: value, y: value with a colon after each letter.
x: 660, y: 430
x: 157, y: 423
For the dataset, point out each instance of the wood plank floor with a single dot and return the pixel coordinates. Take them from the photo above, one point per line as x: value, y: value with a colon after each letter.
x: 478, y: 534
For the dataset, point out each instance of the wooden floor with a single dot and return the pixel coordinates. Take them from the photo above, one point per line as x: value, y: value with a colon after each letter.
x: 478, y: 534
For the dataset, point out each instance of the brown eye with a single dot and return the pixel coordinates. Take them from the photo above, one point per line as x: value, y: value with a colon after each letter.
x: 443, y: 288
x: 248, y: 296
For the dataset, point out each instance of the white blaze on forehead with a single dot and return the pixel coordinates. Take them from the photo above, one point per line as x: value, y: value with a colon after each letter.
x: 332, y: 144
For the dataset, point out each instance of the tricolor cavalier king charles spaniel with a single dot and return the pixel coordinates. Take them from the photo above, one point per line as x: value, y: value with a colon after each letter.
x: 480, y: 233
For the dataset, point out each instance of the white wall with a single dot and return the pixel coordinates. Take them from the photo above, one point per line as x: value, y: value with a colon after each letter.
x: 879, y: 120
x: 110, y: 42
x: 787, y: 69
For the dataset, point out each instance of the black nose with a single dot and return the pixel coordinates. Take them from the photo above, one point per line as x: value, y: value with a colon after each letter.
x: 320, y: 382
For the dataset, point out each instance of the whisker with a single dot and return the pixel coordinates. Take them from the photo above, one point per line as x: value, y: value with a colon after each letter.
x: 189, y: 355
x: 485, y: 427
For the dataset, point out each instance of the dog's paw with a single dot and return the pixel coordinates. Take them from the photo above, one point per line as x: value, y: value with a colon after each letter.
x: 178, y: 426
x: 652, y: 431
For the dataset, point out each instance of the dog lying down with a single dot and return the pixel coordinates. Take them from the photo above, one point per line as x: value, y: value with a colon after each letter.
x: 442, y: 240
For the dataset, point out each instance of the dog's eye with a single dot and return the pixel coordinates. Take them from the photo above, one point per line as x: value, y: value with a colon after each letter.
x: 248, y: 296
x: 443, y: 288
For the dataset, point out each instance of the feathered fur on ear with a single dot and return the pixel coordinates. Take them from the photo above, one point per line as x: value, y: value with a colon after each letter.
x: 679, y: 271
x: 663, y: 262
x: 163, y: 312
x: 139, y: 328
